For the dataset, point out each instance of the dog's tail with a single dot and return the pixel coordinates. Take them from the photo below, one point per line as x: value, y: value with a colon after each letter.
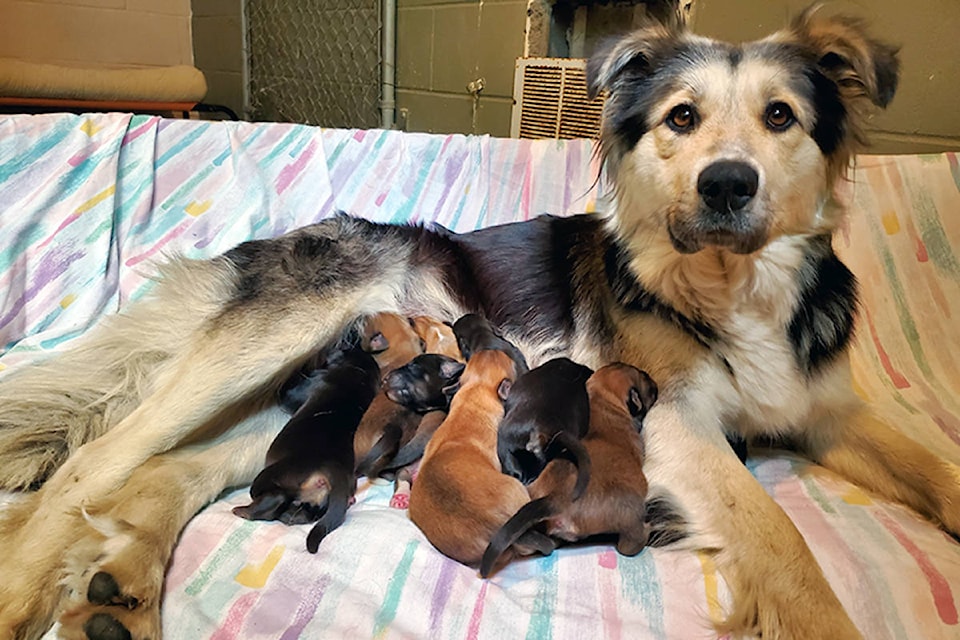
x: 568, y: 446
x: 528, y: 516
x: 49, y: 409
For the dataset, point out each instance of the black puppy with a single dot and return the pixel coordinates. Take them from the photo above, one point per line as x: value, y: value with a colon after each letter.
x: 309, y: 472
x: 474, y: 333
x: 547, y: 412
x: 425, y: 385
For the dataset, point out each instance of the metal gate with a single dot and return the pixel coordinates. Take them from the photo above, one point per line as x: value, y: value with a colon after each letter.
x: 314, y: 61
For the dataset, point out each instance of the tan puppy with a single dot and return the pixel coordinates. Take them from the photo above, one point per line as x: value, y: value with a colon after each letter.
x: 620, y: 396
x: 392, y: 340
x: 437, y: 337
x: 460, y: 497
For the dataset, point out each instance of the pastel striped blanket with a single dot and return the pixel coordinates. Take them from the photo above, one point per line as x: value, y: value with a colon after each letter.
x: 88, y: 202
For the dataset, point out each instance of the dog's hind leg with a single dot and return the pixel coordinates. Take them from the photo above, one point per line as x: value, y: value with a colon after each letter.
x: 873, y: 455
x: 50, y: 408
x: 114, y: 570
x: 778, y: 589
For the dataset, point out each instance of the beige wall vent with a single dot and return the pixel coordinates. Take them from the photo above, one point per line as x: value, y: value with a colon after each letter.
x: 550, y: 100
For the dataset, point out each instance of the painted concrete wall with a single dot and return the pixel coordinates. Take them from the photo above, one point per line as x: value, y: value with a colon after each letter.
x: 218, y: 50
x: 444, y: 45
x: 925, y: 114
x: 98, y: 33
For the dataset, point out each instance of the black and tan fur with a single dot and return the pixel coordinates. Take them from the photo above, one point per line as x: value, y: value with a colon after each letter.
x: 619, y: 398
x: 743, y: 320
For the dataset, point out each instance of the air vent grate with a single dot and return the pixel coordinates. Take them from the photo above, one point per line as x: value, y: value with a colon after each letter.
x: 550, y: 100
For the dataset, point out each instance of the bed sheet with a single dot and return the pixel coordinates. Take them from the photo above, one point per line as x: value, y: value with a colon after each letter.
x: 87, y: 203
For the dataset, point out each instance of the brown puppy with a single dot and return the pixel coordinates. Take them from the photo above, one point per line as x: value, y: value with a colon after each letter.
x: 309, y: 473
x: 461, y: 498
x: 614, y: 501
x: 393, y: 341
x: 437, y: 337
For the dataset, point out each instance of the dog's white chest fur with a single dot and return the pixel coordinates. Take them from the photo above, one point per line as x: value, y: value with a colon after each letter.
x: 750, y: 304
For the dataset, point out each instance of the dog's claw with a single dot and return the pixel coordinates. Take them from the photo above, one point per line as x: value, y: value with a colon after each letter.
x: 103, y: 626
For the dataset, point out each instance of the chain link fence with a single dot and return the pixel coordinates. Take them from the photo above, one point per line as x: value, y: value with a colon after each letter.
x: 315, y: 61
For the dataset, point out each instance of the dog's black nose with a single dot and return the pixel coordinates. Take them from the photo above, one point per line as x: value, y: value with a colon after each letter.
x: 728, y: 186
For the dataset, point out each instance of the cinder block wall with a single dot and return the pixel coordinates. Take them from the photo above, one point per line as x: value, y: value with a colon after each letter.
x: 442, y: 45
x: 98, y: 33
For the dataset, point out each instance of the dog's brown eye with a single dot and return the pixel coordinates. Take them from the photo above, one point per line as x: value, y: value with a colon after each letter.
x: 682, y: 118
x: 779, y: 116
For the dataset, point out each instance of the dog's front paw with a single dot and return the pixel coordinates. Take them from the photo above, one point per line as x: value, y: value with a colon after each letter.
x: 108, y: 611
x: 115, y: 581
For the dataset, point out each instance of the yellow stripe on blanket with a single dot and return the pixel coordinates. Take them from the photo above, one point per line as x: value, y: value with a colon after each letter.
x: 197, y: 208
x: 711, y: 588
x: 95, y: 200
x: 255, y: 575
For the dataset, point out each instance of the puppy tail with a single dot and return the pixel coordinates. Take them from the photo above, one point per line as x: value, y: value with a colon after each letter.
x: 527, y: 516
x: 384, y: 450
x: 568, y: 446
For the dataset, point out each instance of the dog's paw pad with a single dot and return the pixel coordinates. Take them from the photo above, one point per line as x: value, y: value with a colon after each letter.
x: 103, y: 626
x: 104, y: 590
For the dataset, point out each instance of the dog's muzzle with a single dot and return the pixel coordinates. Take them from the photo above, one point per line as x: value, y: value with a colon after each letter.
x: 725, y: 219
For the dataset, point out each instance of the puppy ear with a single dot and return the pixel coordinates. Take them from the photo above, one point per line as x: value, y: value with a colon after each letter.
x: 450, y: 390
x: 625, y: 58
x: 378, y: 343
x: 861, y: 67
x: 450, y: 369
x: 504, y: 389
x: 642, y: 395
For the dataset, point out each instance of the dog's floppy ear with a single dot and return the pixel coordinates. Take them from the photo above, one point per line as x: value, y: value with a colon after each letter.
x: 861, y: 67
x: 504, y: 389
x: 627, y: 57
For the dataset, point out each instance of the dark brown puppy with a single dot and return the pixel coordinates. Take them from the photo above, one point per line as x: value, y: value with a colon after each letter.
x: 547, y: 412
x: 309, y: 466
x: 460, y: 497
x: 394, y: 342
x: 614, y: 502
x: 475, y: 333
x: 425, y: 386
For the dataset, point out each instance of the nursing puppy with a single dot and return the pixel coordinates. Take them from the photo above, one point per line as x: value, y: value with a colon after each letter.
x: 437, y: 337
x: 309, y: 474
x: 547, y: 412
x: 614, y: 502
x: 393, y: 340
x: 460, y: 497
x: 426, y: 385
x: 417, y: 387
x: 475, y: 333
x: 711, y: 268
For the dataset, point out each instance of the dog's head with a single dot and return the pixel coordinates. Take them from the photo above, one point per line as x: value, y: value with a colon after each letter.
x: 731, y: 146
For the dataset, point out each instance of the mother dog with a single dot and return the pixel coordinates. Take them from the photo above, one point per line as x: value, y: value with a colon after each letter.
x: 713, y: 271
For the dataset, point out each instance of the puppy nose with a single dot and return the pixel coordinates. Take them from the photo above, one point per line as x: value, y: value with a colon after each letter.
x: 727, y: 186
